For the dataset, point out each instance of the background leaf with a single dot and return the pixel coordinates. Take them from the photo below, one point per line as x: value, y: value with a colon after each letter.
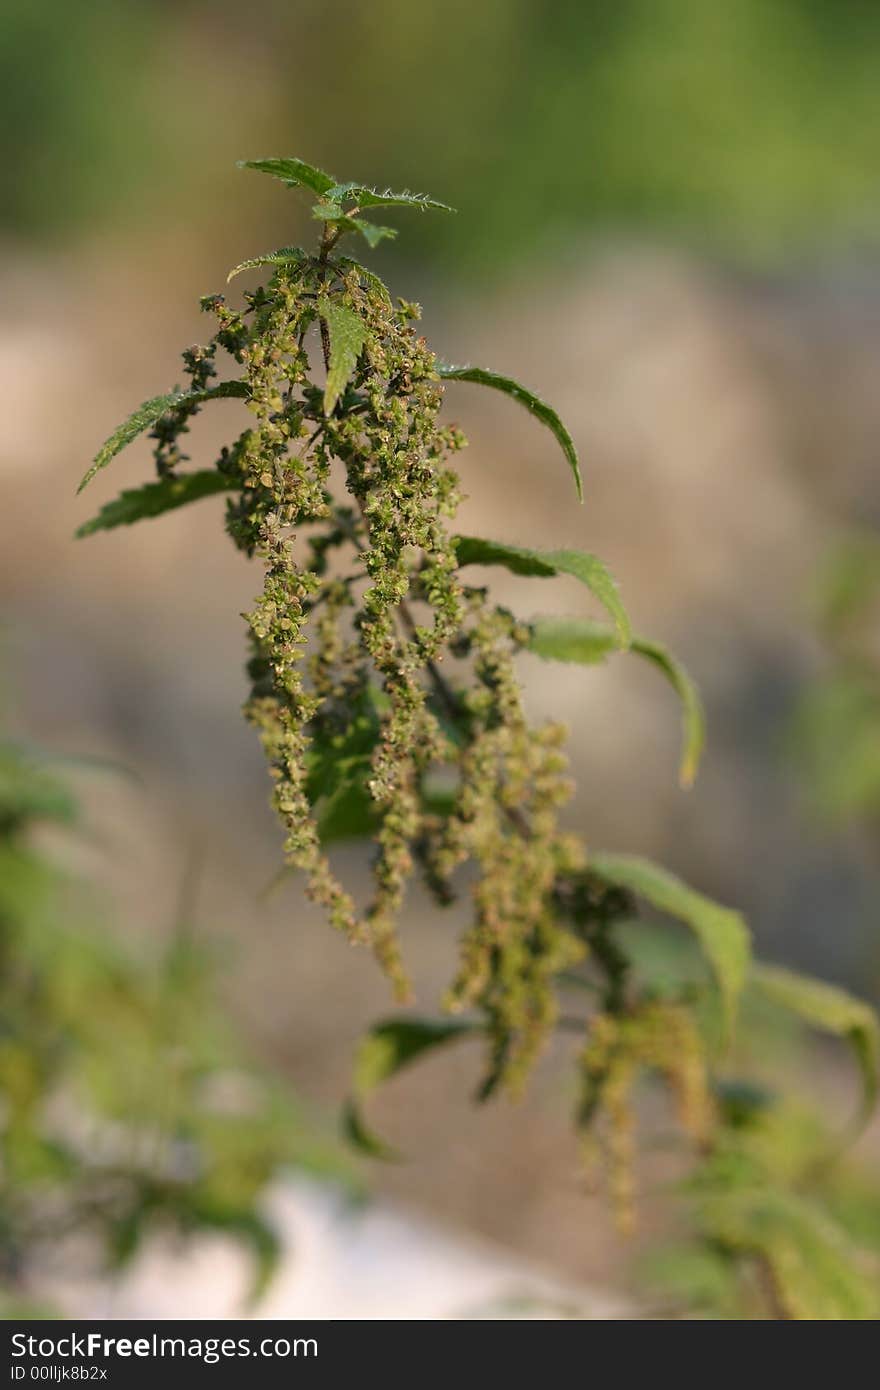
x: 348, y: 333
x: 153, y: 499
x: 832, y: 1010
x: 588, y: 642
x: 815, y: 1269
x: 293, y: 172
x: 571, y: 639
x: 589, y: 569
x: 389, y: 1047
x: 721, y: 932
x: 285, y: 255
x: 146, y: 416
x: 692, y: 715
x: 481, y: 376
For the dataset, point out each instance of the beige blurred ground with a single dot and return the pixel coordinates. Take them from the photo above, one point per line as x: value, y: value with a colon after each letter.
x: 727, y: 427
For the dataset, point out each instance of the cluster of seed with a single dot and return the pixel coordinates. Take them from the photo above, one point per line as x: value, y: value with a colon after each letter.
x: 659, y: 1037
x: 348, y: 670
x: 512, y: 784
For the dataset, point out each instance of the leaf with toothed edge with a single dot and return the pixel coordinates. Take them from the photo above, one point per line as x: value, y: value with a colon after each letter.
x: 293, y: 172
x: 481, y: 376
x: 370, y: 231
x: 372, y: 198
x: 348, y: 333
x: 152, y: 411
x: 285, y: 255
x: 154, y: 499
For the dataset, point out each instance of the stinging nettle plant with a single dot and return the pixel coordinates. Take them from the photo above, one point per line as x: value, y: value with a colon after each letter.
x: 384, y: 684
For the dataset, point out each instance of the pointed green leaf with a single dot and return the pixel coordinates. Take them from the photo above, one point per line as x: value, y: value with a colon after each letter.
x: 579, y: 639
x: 285, y: 255
x: 370, y: 231
x: 154, y: 499
x: 294, y: 172
x: 372, y: 198
x: 572, y: 639
x: 692, y: 716
x: 149, y: 413
x: 386, y: 1049
x: 832, y: 1010
x: 471, y: 550
x: 721, y: 932
x: 348, y: 333
x: 360, y: 1137
x: 533, y: 404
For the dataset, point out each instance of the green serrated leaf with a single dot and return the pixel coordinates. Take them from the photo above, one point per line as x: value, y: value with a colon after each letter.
x: 370, y: 231
x: 372, y: 198
x: 721, y: 932
x: 285, y: 255
x: 149, y: 413
x: 154, y: 499
x: 348, y: 333
x: 481, y: 376
x: 294, y: 172
x: 386, y: 1049
x: 472, y: 550
x: 831, y: 1010
x: 580, y: 640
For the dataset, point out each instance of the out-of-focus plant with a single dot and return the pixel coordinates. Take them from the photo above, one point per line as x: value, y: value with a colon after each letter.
x: 776, y: 1218
x: 126, y: 1107
x: 835, y: 740
x: 385, y: 692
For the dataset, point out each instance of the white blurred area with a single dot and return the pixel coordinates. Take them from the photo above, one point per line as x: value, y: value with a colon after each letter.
x: 339, y: 1261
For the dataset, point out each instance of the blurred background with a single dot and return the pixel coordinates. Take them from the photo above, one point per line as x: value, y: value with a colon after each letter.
x: 669, y: 225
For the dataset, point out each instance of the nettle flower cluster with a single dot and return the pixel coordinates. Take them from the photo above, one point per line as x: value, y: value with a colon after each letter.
x: 384, y: 683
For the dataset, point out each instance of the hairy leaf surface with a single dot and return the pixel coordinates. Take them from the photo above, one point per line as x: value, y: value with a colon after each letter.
x: 348, y: 334
x: 293, y: 172
x: 154, y: 499
x: 149, y: 413
x: 285, y: 255
x: 372, y: 198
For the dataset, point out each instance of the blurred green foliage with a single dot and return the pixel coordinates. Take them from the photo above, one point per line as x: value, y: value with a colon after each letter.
x: 126, y: 1101
x: 770, y: 1228
x: 778, y: 1219
x: 753, y: 125
x: 835, y: 737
